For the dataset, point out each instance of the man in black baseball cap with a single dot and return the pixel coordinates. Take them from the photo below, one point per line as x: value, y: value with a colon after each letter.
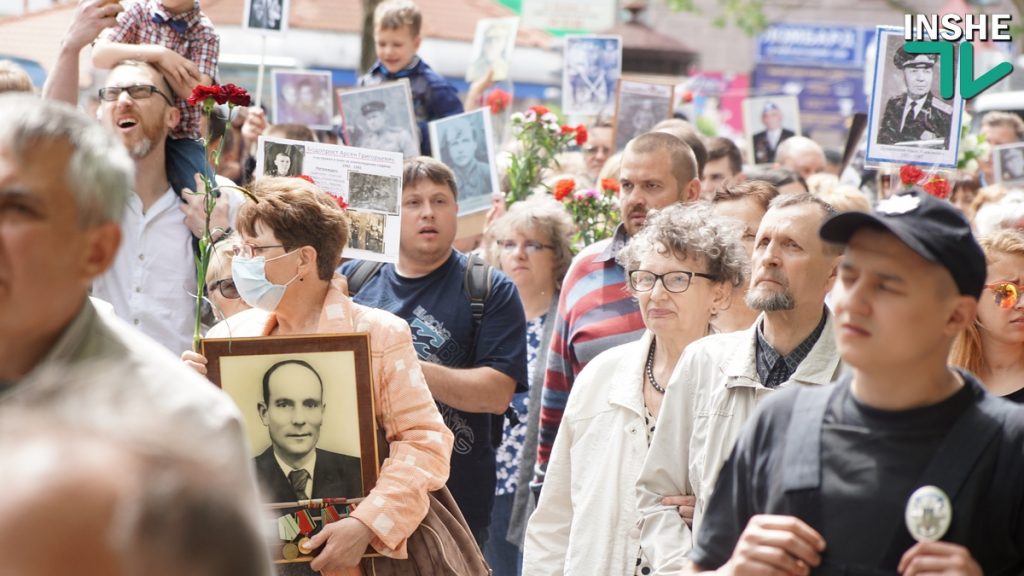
x: 905, y: 465
x: 917, y: 116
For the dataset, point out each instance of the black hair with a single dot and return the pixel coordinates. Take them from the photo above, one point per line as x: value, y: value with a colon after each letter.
x: 270, y: 371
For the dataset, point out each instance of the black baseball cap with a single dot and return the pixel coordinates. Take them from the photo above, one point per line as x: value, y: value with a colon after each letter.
x: 929, y: 226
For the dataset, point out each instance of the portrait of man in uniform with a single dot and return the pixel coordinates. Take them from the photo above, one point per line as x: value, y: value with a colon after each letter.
x: 381, y: 118
x: 593, y: 65
x: 293, y: 468
x: 767, y: 141
x: 266, y: 15
x: 917, y: 116
x: 463, y: 143
x: 492, y: 48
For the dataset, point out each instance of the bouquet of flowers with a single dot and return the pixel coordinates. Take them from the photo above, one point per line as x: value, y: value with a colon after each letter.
x: 932, y: 182
x: 595, y: 211
x: 541, y: 138
x: 207, y: 97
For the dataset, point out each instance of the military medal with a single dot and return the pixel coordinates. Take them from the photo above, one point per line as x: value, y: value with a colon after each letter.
x: 929, y: 514
x: 290, y: 551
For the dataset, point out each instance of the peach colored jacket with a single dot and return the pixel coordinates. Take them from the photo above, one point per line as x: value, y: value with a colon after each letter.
x: 421, y: 444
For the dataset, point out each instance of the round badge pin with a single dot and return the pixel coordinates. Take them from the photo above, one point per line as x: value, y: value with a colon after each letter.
x: 929, y: 514
x: 290, y: 551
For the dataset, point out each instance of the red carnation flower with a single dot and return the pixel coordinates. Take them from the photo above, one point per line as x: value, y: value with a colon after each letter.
x: 498, y: 100
x: 201, y: 93
x: 540, y: 110
x: 563, y: 188
x: 938, y: 187
x: 568, y: 130
x: 910, y: 175
x: 341, y: 202
x: 581, y: 135
x: 687, y: 97
x: 307, y: 179
x: 609, y: 184
x: 235, y: 95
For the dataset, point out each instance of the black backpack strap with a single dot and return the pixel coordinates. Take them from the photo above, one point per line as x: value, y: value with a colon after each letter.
x: 477, y: 282
x: 802, y: 455
x: 363, y: 271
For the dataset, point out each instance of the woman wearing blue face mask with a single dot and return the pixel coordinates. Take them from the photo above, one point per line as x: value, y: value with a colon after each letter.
x: 291, y: 243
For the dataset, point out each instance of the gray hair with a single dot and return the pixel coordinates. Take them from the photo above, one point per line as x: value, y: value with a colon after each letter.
x: 806, y: 198
x: 692, y: 230
x: 543, y: 214
x: 100, y: 173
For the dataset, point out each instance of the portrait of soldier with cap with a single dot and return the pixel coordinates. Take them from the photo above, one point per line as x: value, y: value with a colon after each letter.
x: 916, y: 116
x: 377, y: 133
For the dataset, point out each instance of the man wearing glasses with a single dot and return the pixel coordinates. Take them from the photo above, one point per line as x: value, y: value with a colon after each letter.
x: 149, y: 284
x: 720, y: 379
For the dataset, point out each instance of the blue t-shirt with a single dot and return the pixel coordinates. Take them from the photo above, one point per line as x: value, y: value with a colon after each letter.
x: 442, y: 326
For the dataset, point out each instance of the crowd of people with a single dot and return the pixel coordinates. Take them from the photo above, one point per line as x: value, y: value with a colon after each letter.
x: 757, y: 373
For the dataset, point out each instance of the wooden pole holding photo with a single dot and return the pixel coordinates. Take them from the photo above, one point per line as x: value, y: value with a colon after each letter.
x: 259, y: 71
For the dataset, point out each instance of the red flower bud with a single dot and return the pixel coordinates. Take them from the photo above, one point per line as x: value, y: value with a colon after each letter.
x: 910, y: 175
x: 581, y: 135
x: 564, y: 188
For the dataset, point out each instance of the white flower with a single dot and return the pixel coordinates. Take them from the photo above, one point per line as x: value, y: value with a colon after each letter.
x: 530, y: 116
x: 549, y: 117
x: 971, y: 142
x: 553, y: 128
x: 971, y: 166
x: 517, y: 118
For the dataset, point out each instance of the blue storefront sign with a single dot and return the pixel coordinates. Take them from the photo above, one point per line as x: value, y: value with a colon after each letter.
x: 823, y: 65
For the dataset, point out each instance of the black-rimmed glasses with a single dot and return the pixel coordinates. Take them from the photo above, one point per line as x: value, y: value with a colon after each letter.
x: 676, y: 281
x: 530, y: 246
x: 227, y: 288
x: 136, y: 91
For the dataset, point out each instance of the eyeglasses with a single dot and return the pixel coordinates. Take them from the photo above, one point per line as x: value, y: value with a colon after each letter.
x: 227, y: 288
x: 590, y: 150
x: 1006, y: 294
x: 250, y: 250
x: 136, y: 91
x: 676, y: 282
x: 530, y: 246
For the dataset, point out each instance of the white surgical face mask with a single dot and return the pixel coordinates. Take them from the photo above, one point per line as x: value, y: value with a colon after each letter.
x: 250, y: 276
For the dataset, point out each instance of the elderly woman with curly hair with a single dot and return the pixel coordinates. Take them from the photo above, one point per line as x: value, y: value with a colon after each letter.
x: 291, y: 243
x: 532, y: 247
x: 681, y: 267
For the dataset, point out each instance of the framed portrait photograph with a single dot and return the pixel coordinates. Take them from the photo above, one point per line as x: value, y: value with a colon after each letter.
x: 1008, y: 163
x: 593, y: 65
x: 638, y: 107
x: 493, y: 44
x: 465, y: 143
x: 303, y: 98
x: 307, y: 404
x: 767, y: 121
x: 376, y: 192
x: 908, y: 122
x: 381, y: 118
x: 283, y: 159
x: 265, y: 16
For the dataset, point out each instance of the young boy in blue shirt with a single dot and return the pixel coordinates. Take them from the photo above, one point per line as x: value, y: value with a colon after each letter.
x: 396, y: 34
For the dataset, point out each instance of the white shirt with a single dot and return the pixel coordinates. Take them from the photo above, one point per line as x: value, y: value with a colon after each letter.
x: 309, y: 467
x: 153, y: 279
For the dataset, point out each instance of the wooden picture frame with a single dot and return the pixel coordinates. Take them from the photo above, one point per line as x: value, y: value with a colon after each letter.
x: 275, y: 382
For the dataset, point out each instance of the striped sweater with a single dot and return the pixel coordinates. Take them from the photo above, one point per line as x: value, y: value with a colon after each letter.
x: 595, y: 313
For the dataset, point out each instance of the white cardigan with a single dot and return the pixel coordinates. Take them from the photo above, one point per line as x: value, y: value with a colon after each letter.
x: 586, y: 522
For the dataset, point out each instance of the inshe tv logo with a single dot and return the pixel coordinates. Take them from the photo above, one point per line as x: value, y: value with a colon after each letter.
x: 944, y: 33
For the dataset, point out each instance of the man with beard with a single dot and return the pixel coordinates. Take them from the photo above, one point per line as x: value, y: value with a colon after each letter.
x: 720, y: 379
x: 595, y: 311
x: 154, y: 271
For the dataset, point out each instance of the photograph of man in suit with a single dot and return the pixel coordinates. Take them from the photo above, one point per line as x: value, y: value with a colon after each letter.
x: 767, y: 141
x: 293, y: 468
x: 917, y: 115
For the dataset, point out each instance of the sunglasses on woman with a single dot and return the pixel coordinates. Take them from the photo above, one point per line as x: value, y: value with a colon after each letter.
x: 1006, y: 294
x: 227, y: 288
